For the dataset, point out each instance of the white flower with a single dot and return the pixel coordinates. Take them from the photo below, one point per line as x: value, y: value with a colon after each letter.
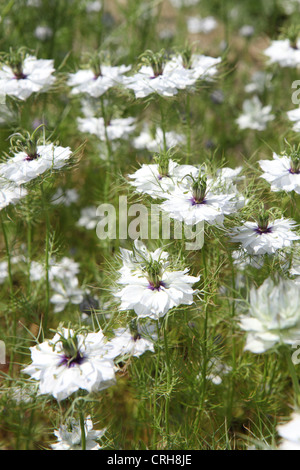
x: 290, y: 433
x: 66, y: 291
x: 125, y: 343
x: 23, y: 167
x: 274, y: 316
x: 153, y: 290
x: 258, y: 240
x: 283, y: 53
x: 63, y: 269
x: 198, y: 202
x: 65, y: 197
x: 86, y: 81
x: 294, y: 116
x: 154, y: 143
x: 201, y: 67
x: 115, y: 129
x: 69, y: 436
x: 35, y: 76
x: 3, y: 271
x: 43, y: 33
x: 255, y: 116
x: 93, y: 6
x: 88, y: 218
x: 197, y: 25
x: 281, y: 173
x: 216, y: 371
x: 10, y: 193
x: 71, y: 361
x: 260, y: 81
x: 149, y: 180
x: 247, y: 31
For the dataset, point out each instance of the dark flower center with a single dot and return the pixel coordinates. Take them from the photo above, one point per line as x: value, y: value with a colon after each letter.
x: 261, y: 230
x: 34, y: 156
x: 20, y: 75
x: 196, y: 202
x: 156, y: 286
x: 71, y: 361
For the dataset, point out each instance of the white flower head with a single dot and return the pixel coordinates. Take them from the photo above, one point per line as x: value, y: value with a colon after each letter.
x: 283, y: 172
x: 265, y: 236
x: 24, y: 75
x: 284, y: 53
x: 255, y: 115
x: 294, y: 116
x: 10, y: 193
x: 119, y: 128
x: 126, y: 343
x: 69, y: 436
x: 71, y: 361
x: 88, y: 218
x: 160, y: 178
x: 274, y: 316
x: 96, y: 81
x: 152, y: 289
x: 197, y: 25
x: 33, y: 160
x: 290, y: 433
x: 200, y: 200
x: 154, y: 141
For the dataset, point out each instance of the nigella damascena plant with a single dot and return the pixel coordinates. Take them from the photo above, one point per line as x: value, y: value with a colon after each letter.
x: 274, y: 316
x: 150, y: 287
x: 283, y: 172
x: 161, y: 177
x: 265, y: 236
x: 97, y: 78
x: 22, y: 74
x: 69, y: 435
x: 166, y: 77
x: 285, y: 51
x: 32, y: 157
x: 73, y: 360
x: 200, y: 199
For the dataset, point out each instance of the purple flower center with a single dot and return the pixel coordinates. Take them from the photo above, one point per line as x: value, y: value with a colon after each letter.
x: 294, y: 171
x: 195, y: 202
x: 69, y: 361
x: 20, y: 76
x: 29, y: 158
x: 157, y: 286
x: 261, y: 230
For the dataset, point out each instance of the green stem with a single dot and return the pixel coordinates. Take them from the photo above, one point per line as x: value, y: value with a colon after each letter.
x: 82, y: 428
x: 188, y: 127
x: 163, y: 123
x: 47, y: 249
x: 167, y: 400
x: 294, y: 378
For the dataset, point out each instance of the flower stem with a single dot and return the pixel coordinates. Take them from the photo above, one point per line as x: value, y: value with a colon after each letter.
x: 167, y: 398
x: 163, y: 123
x: 82, y: 428
x: 47, y: 249
x: 294, y: 378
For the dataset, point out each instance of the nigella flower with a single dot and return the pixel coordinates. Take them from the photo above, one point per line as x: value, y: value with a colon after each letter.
x: 65, y: 197
x: 33, y: 160
x: 284, y: 52
x: 255, y: 115
x: 24, y: 74
x: 151, y: 289
x: 126, y: 342
x: 202, y: 200
x: 119, y: 128
x: 158, y: 75
x: 88, y: 218
x: 283, y: 172
x: 10, y: 193
x: 97, y: 79
x: 290, y: 433
x: 197, y: 25
x: 66, y: 291
x: 159, y: 178
x: 274, y: 316
x: 265, y: 236
x: 154, y: 141
x: 69, y: 436
x: 294, y: 116
x: 72, y: 360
